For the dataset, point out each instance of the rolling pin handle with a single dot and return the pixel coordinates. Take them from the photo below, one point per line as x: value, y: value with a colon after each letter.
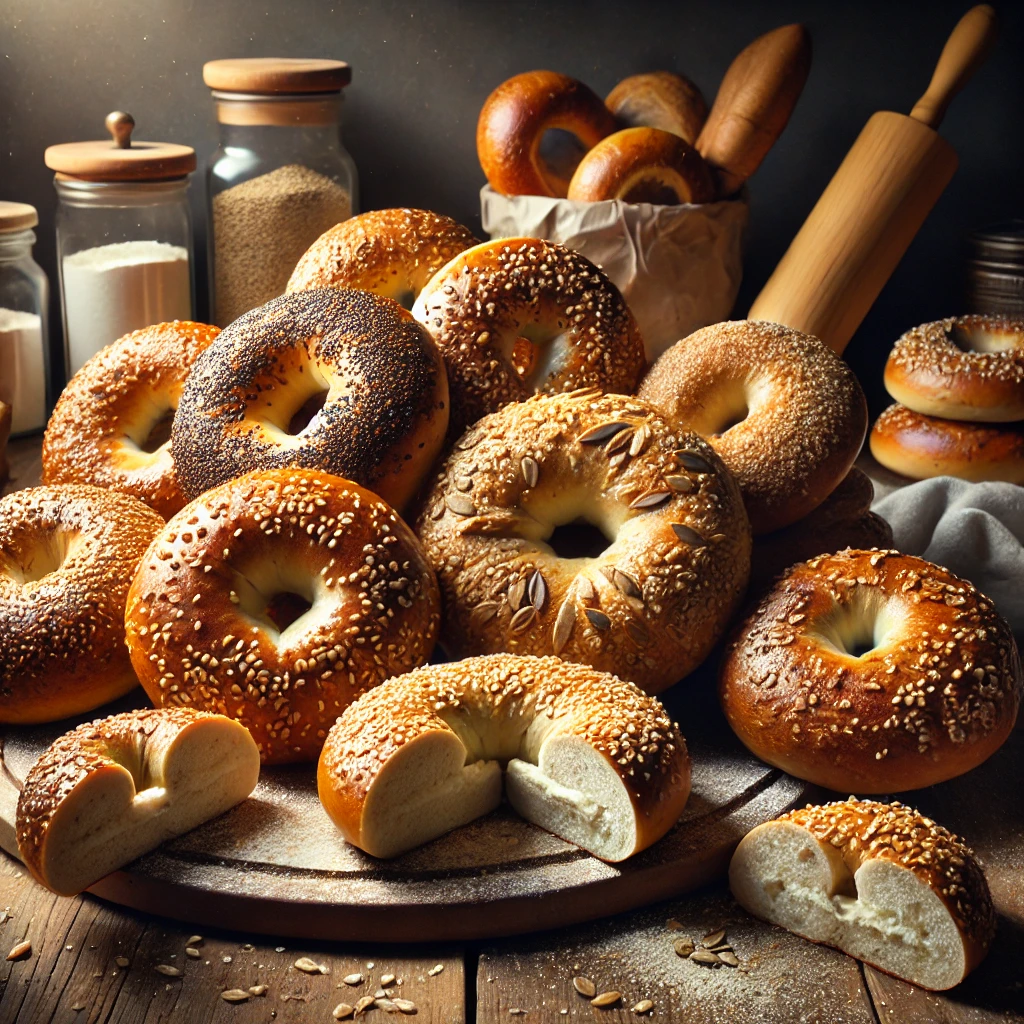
x: 963, y: 53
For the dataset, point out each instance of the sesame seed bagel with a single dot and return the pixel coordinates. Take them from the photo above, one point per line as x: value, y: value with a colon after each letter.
x: 67, y: 558
x: 659, y: 99
x: 277, y: 599
x: 341, y: 381
x: 920, y: 447
x: 671, y: 556
x: 111, y: 426
x: 879, y: 881
x: 643, y: 165
x: 389, y: 252
x: 520, y: 316
x: 514, y: 120
x: 114, y: 789
x: 872, y: 671
x: 784, y: 412
x: 962, y: 368
x: 585, y: 755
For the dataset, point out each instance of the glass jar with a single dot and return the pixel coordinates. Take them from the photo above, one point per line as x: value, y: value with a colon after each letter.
x: 124, y: 237
x: 280, y: 177
x: 995, y: 270
x: 24, y: 347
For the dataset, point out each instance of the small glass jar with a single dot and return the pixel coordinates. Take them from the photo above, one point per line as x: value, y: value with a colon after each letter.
x: 280, y: 177
x: 995, y: 270
x: 24, y: 347
x: 124, y: 237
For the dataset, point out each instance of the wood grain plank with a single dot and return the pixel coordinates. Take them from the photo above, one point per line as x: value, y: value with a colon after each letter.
x: 26, y: 461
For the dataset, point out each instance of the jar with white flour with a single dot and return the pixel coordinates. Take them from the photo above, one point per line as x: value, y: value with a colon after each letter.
x: 124, y: 236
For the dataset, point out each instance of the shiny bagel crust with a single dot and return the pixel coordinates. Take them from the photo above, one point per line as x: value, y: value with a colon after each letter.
x: 784, y: 412
x: 106, y: 413
x: 385, y: 409
x: 936, y: 695
x: 659, y: 99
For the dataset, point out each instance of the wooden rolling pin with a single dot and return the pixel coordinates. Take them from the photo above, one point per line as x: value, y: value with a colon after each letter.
x: 874, y: 206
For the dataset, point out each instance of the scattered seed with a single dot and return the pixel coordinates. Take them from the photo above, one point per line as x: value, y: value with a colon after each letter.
x: 584, y: 986
x: 644, y: 1006
x: 77, y: 1006
x: 464, y: 483
x: 598, y: 619
x: 688, y: 535
x: 386, y: 980
x: 171, y: 972
x: 682, y: 484
x: 620, y: 440
x: 385, y: 1004
x: 693, y: 461
x: 713, y: 938
x: 381, y: 994
x: 705, y: 956
x: 20, y: 950
x: 435, y: 970
x: 353, y: 979
x: 484, y: 612
x: 538, y: 590
x: 563, y: 625
x: 655, y: 496
x: 192, y: 952
x: 258, y: 990
x: 363, y: 1005
x: 309, y: 966
x: 640, y: 439
x: 516, y: 1012
x: 683, y: 947
x: 523, y: 619
x: 595, y: 435
x: 225, y: 959
x: 727, y: 956
x: 460, y: 504
x: 606, y: 999
x: 122, y: 961
x: 516, y: 592
x: 405, y: 1005
x: 194, y: 940
x: 342, y: 1011
x: 530, y: 470
x: 234, y: 995
x: 626, y: 584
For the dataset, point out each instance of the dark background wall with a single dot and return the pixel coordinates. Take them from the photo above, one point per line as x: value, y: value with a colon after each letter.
x: 422, y: 70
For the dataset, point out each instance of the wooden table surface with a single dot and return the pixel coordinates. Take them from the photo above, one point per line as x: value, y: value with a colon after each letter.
x: 94, y: 962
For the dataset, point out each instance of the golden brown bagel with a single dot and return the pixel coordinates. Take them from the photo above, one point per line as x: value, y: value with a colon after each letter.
x: 920, y: 447
x: 514, y: 119
x: 111, y: 426
x: 586, y: 756
x: 519, y: 316
x: 277, y: 599
x: 659, y: 99
x: 872, y: 672
x: 390, y: 252
x: 643, y: 165
x: 67, y: 558
x: 341, y: 381
x: 968, y: 368
x: 878, y: 881
x: 785, y: 413
x: 672, y: 554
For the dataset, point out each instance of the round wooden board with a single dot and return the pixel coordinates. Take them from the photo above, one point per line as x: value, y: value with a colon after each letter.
x: 276, y: 864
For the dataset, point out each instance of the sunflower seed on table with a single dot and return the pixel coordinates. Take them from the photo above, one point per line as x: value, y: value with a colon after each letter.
x: 683, y: 947
x: 385, y: 1004
x: 20, y: 950
x: 168, y: 970
x: 234, y: 995
x: 727, y: 956
x: 343, y: 1011
x: 192, y: 952
x: 353, y: 979
x: 386, y: 980
x: 406, y: 1006
x: 606, y: 999
x: 258, y: 990
x: 363, y: 1005
x: 644, y: 1006
x: 705, y: 956
x: 435, y: 970
x: 122, y: 961
x: 381, y: 994
x: 713, y: 938
x: 309, y: 966
x: 603, y: 431
x: 584, y: 986
x: 194, y: 940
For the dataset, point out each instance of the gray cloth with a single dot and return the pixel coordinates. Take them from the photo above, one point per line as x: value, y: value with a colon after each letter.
x: 975, y: 530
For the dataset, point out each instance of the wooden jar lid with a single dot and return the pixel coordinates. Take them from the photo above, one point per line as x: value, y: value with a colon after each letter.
x: 276, y: 75
x: 17, y: 217
x: 121, y: 158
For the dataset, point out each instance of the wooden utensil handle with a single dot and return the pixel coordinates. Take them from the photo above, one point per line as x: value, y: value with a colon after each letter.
x: 964, y: 51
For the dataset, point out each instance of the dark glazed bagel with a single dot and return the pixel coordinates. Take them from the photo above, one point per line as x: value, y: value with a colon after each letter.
x: 253, y: 398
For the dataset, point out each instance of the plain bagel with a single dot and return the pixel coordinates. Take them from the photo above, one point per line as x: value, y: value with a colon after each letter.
x: 585, y: 756
x: 784, y: 412
x: 872, y: 671
x: 341, y: 381
x: 659, y: 99
x: 673, y: 545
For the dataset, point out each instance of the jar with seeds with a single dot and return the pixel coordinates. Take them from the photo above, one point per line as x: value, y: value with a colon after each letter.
x: 280, y: 177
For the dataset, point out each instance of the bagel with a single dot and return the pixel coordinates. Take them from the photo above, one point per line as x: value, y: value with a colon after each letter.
x: 277, y: 599
x: 586, y: 756
x: 111, y: 790
x: 341, y: 381
x: 784, y: 412
x: 390, y: 252
x: 920, y: 447
x: 67, y: 558
x: 514, y: 120
x: 643, y: 165
x: 111, y: 426
x: 659, y: 99
x: 878, y: 881
x: 968, y: 368
x: 872, y: 672
x: 522, y: 315
x: 649, y: 600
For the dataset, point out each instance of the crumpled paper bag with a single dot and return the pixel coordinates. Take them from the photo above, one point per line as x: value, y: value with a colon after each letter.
x: 678, y: 267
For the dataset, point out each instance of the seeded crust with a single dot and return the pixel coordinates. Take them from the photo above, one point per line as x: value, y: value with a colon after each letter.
x: 935, y: 698
x: 192, y: 644
x: 920, y: 447
x: 489, y: 296
x: 864, y: 829
x: 389, y: 252
x: 62, y: 636
x: 382, y: 424
x: 632, y: 731
x: 513, y: 121
x: 929, y: 373
x: 651, y: 607
x: 106, y: 413
x: 804, y: 413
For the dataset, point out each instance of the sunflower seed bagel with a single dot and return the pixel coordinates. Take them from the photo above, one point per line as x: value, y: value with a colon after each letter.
x: 520, y: 316
x: 671, y: 553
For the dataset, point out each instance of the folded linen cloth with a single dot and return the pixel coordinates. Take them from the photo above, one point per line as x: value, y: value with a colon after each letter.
x: 975, y: 530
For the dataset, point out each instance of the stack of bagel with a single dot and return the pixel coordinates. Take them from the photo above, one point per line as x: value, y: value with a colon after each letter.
x: 959, y: 411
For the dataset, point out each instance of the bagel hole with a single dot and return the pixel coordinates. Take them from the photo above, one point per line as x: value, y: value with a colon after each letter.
x: 285, y: 608
x: 980, y: 339
x: 160, y: 433
x: 731, y: 415
x: 578, y: 539
x: 307, y: 412
x: 47, y: 556
x: 653, y: 192
x: 863, y: 626
x: 560, y: 152
x: 538, y: 352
